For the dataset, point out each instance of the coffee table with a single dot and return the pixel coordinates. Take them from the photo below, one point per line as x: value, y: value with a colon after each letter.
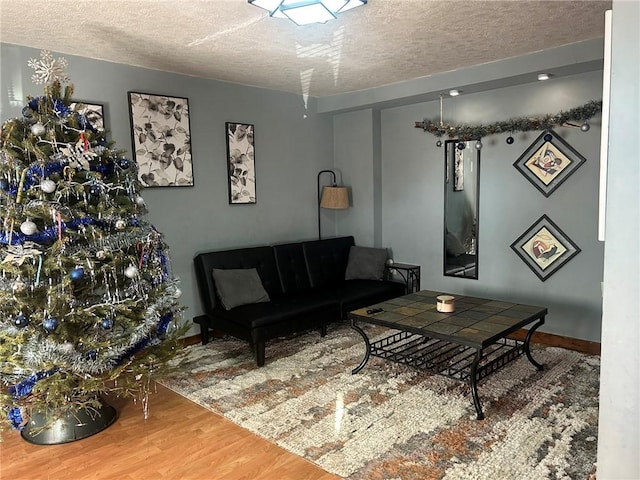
x: 466, y: 345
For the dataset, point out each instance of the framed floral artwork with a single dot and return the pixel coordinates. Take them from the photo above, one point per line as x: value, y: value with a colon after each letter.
x: 161, y: 138
x: 545, y: 248
x: 93, y: 112
x: 241, y: 163
x: 548, y: 162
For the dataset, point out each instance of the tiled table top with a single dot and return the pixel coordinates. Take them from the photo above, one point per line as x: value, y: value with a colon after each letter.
x: 477, y: 322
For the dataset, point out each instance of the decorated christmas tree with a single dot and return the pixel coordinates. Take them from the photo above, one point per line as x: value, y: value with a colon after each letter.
x: 88, y: 303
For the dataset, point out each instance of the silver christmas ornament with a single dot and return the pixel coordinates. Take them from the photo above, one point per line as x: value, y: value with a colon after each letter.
x: 48, y: 186
x: 177, y: 293
x: 121, y: 224
x: 28, y: 227
x: 38, y: 129
x: 131, y: 271
x: 478, y: 145
x: 585, y: 127
x: 139, y: 201
x: 439, y: 143
x: 101, y: 254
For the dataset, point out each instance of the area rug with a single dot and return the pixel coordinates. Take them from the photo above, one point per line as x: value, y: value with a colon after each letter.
x: 393, y: 422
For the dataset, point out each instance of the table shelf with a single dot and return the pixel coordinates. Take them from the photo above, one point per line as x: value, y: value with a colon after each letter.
x: 445, y: 358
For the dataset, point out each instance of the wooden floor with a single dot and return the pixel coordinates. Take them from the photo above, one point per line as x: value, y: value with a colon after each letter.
x: 179, y: 441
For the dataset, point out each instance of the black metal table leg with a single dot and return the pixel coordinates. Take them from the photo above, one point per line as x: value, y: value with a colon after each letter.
x: 474, y: 384
x: 367, y: 352
x: 527, y: 340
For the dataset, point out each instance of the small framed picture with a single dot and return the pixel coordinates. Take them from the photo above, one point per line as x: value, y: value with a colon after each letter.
x: 93, y: 112
x: 548, y: 162
x: 458, y: 171
x: 241, y: 163
x: 161, y: 138
x: 545, y: 248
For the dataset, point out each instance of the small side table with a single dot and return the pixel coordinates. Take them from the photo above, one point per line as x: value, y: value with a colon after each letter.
x: 409, y: 273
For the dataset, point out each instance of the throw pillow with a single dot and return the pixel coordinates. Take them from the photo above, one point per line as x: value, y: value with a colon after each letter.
x: 366, y: 263
x: 237, y: 287
x: 454, y: 245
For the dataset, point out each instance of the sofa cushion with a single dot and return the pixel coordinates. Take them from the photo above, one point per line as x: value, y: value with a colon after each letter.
x: 354, y: 294
x: 237, y: 287
x: 291, y: 267
x: 366, y: 263
x: 290, y: 308
x: 326, y: 260
x: 260, y: 258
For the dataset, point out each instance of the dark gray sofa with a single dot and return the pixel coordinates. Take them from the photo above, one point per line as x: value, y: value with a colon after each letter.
x: 305, y: 283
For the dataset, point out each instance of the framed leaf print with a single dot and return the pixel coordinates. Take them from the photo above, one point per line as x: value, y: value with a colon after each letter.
x: 161, y: 138
x: 548, y: 162
x: 241, y: 163
x: 93, y: 112
x: 545, y: 248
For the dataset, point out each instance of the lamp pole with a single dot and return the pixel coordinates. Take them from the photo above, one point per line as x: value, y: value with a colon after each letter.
x: 333, y: 179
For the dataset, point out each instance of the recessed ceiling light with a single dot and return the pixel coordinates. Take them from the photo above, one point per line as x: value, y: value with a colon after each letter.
x: 454, y: 92
x: 544, y: 76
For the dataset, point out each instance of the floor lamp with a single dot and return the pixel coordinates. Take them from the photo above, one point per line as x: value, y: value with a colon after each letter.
x: 334, y: 197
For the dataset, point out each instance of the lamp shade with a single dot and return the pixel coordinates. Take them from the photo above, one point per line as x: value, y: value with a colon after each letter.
x: 336, y: 198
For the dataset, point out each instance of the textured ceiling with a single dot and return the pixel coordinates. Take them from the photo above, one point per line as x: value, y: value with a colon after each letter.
x: 384, y: 42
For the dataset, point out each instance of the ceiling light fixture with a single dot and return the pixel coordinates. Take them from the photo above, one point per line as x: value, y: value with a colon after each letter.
x: 454, y: 92
x: 543, y: 76
x: 304, y: 12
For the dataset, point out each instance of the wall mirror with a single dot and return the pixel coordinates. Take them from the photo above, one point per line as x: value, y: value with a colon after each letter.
x: 461, y: 203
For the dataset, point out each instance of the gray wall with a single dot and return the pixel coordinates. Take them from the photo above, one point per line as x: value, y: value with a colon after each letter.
x: 292, y: 145
x: 353, y: 135
x: 619, y: 423
x: 412, y: 198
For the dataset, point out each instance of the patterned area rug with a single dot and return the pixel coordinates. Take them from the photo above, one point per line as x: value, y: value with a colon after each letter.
x: 390, y: 421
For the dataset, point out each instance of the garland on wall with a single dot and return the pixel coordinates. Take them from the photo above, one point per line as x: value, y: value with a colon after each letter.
x: 464, y: 132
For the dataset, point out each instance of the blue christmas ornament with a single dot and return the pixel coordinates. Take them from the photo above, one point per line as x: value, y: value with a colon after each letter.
x: 60, y: 109
x: 77, y: 274
x: 107, y: 323
x: 50, y: 324
x: 123, y: 163
x: 510, y: 140
x: 95, y: 190
x: 102, y: 141
x: 21, y: 321
x: 34, y: 105
x: 461, y: 146
x: 548, y: 137
x: 92, y: 354
x: 15, y: 417
x: 4, y: 184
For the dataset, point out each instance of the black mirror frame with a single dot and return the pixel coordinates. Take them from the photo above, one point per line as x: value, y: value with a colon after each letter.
x: 449, y: 176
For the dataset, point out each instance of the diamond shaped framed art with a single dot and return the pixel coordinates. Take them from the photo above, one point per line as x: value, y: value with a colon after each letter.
x: 544, y: 248
x: 548, y: 162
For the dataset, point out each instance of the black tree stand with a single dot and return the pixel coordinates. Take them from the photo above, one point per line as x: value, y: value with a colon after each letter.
x: 75, y: 425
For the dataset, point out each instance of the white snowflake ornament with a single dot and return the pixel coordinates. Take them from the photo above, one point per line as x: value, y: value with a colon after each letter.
x: 48, y: 70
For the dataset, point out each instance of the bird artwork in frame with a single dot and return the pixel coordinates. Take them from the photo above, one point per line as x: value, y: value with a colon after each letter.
x: 545, y: 248
x: 548, y: 162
